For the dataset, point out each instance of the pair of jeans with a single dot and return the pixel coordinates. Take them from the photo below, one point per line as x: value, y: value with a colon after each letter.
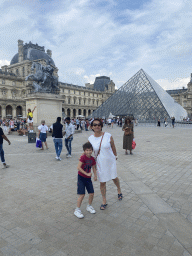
x: 2, y: 153
x: 58, y: 146
x: 68, y: 144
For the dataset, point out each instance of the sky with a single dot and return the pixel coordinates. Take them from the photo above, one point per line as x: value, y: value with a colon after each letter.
x: 115, y: 38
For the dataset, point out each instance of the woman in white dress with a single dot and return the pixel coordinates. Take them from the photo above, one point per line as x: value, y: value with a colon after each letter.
x: 106, y: 155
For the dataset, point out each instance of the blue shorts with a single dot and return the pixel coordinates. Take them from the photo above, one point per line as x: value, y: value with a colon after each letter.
x: 83, y: 183
x: 42, y: 137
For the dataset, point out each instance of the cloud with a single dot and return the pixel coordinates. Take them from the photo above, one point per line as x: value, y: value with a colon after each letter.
x: 4, y: 62
x: 171, y: 85
x: 92, y: 37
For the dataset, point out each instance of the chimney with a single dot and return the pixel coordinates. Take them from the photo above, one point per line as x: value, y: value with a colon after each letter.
x: 20, y: 50
x: 49, y: 52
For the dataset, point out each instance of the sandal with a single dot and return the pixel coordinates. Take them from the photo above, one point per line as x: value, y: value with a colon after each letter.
x: 103, y: 206
x: 120, y: 197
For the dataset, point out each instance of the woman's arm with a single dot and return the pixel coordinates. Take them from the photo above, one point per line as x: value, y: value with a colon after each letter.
x: 113, y: 146
x: 33, y: 109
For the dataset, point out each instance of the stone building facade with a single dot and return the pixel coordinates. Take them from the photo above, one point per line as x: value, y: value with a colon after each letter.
x: 184, y: 97
x: 14, y: 89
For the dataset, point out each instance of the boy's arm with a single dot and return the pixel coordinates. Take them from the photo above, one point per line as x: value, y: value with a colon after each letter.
x: 95, y: 172
x: 81, y: 170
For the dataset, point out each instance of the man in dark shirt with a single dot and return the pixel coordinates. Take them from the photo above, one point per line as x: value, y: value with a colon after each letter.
x: 2, y: 136
x: 57, y: 137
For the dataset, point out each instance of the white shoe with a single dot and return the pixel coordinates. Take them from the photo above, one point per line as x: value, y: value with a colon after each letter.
x: 78, y: 213
x: 59, y: 158
x: 69, y: 156
x: 24, y: 135
x: 90, y: 209
x: 56, y: 157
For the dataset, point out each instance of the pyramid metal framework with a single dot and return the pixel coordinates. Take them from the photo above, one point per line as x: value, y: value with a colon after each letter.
x: 143, y: 98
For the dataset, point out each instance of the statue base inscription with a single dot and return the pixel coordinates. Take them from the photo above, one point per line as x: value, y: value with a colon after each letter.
x: 48, y: 108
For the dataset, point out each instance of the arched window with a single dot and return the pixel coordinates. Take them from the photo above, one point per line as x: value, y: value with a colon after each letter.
x: 79, y: 101
x: 79, y: 111
x: 18, y: 111
x: 68, y: 112
x: 84, y: 112
x: 74, y: 113
x: 9, y: 111
x: 89, y: 112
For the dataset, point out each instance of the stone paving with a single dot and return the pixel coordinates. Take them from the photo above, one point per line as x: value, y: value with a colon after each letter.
x: 38, y: 198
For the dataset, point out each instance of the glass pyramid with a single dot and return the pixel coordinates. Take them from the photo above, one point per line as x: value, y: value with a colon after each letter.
x: 143, y: 98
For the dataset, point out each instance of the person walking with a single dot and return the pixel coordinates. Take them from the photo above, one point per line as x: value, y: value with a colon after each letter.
x: 57, y: 137
x: 77, y: 123
x: 69, y: 131
x: 173, y: 121
x: 106, y: 156
x: 43, y: 133
x: 128, y: 136
x: 3, y: 137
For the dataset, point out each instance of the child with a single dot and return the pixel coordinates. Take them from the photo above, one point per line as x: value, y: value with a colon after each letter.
x: 86, y: 162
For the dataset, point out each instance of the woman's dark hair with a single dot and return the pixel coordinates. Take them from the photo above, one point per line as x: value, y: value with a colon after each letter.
x: 87, y: 145
x: 127, y: 120
x: 29, y: 109
x: 99, y: 120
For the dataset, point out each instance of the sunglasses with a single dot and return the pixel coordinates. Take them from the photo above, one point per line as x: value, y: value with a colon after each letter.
x: 96, y: 124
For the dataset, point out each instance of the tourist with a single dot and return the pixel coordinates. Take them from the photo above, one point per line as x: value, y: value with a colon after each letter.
x: 57, y: 137
x: 30, y: 118
x: 158, y: 123
x: 173, y: 121
x: 86, y: 162
x: 106, y: 156
x: 11, y: 126
x: 109, y: 122
x: 2, y: 136
x: 69, y: 131
x: 128, y: 136
x: 112, y: 122
x: 77, y: 123
x: 43, y: 133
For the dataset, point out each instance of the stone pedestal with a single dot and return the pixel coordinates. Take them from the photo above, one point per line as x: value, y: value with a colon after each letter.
x: 48, y: 107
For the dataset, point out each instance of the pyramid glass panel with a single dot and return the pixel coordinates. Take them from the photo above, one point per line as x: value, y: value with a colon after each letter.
x: 143, y: 98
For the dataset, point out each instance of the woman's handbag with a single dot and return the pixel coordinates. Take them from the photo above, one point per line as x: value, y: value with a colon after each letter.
x: 133, y: 144
x: 128, y: 131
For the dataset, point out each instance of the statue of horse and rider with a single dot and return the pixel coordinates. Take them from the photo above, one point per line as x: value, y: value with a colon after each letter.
x: 43, y: 79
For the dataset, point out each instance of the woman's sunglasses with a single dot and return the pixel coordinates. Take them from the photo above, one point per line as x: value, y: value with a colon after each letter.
x: 96, y: 124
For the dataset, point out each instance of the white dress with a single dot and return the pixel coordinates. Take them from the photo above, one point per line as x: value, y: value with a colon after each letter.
x: 106, y: 160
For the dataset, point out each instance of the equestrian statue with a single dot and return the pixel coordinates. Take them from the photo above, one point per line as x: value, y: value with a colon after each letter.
x: 43, y: 78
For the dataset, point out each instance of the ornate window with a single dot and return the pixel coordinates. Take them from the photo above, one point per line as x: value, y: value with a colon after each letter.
x: 3, y: 81
x: 69, y: 100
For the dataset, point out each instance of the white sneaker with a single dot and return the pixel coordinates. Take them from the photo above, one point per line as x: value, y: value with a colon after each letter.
x: 56, y: 157
x: 24, y: 135
x: 90, y: 209
x: 59, y: 158
x: 78, y: 213
x: 69, y: 156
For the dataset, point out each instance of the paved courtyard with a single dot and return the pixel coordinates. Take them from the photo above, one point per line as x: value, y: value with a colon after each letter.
x: 38, y: 198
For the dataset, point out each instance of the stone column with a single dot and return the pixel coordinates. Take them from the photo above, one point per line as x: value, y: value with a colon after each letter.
x: 13, y: 111
x: 3, y: 110
x: 24, y: 111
